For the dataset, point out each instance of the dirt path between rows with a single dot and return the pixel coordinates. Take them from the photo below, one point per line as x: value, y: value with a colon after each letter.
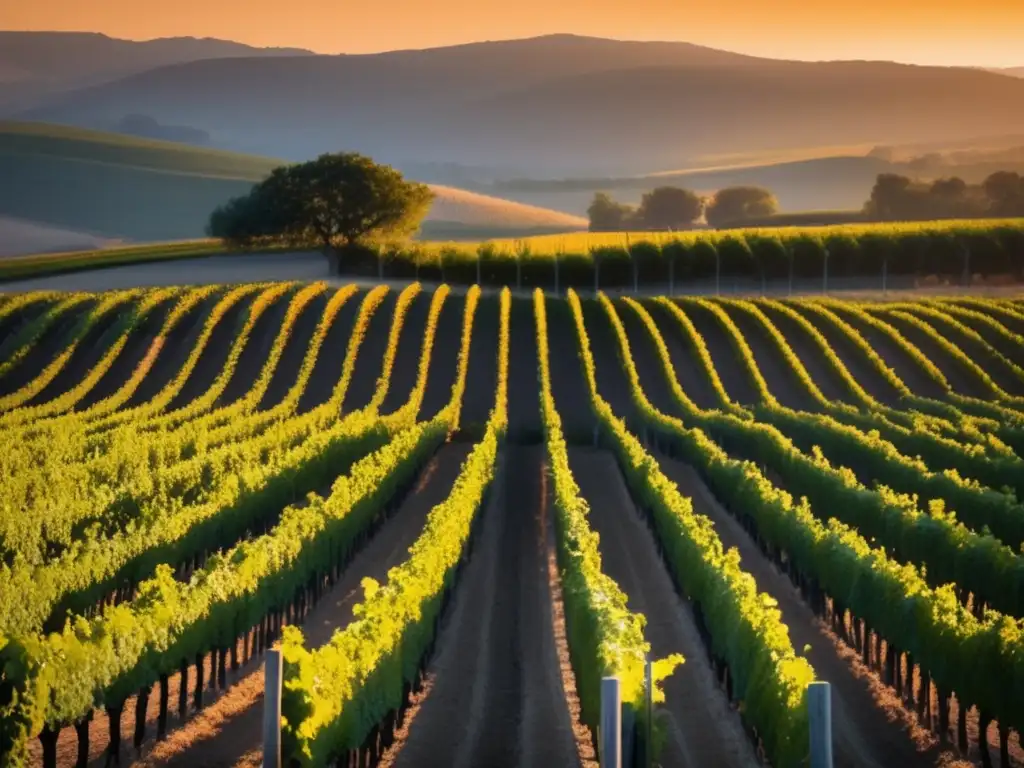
x: 94, y: 345
x: 981, y: 353
x: 730, y: 370
x: 482, y: 373
x: 703, y: 729
x: 779, y: 375
x: 444, y: 359
x: 256, y: 350
x: 959, y: 379
x: 495, y: 695
x: 523, y: 389
x: 295, y: 349
x: 410, y: 349
x: 175, y: 350
x: 16, y: 320
x: 331, y: 359
x: 612, y: 383
x: 226, y: 731
x: 52, y: 342
x: 568, y: 384
x: 689, y: 368
x: 139, y: 342
x: 214, y: 355
x: 826, y: 377
x: 1009, y: 348
x: 905, y: 367
x: 870, y: 728
x: 229, y: 725
x: 370, y: 355
x: 853, y: 358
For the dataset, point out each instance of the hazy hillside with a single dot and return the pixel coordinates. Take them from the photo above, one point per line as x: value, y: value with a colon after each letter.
x: 34, y: 64
x: 121, y: 187
x: 554, y: 106
x: 841, y: 181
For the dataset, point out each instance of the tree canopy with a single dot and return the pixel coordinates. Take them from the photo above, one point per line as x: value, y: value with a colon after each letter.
x: 734, y: 205
x: 895, y: 197
x: 334, y: 202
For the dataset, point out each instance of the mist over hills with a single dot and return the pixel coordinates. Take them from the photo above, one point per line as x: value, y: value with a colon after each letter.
x: 551, y: 106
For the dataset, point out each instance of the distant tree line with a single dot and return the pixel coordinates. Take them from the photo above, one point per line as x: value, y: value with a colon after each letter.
x: 675, y: 208
x: 900, y: 198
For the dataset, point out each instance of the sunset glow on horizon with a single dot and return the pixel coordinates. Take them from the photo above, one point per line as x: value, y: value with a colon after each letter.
x: 944, y: 32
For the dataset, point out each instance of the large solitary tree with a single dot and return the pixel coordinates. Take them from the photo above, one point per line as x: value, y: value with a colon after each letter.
x: 335, y: 202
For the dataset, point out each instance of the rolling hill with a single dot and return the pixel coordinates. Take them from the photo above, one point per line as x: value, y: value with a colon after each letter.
x: 552, y: 106
x: 34, y: 65
x: 114, y: 186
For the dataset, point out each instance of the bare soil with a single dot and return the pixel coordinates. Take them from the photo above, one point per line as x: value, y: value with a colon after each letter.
x: 213, y: 356
x: 1011, y: 319
x: 780, y: 376
x: 1006, y: 347
x: 648, y: 364
x: 810, y: 354
x: 226, y: 731
x: 370, y: 355
x: 295, y: 349
x: 54, y: 340
x: 981, y: 353
x: 869, y: 729
x: 256, y: 350
x: 905, y: 367
x: 229, y: 725
x: 496, y: 697
x: 90, y: 351
x: 523, y: 392
x: 703, y: 728
x: 482, y: 373
x: 179, y: 343
x: 331, y: 359
x: 962, y: 381
x: 139, y: 342
x: 444, y: 359
x: 612, y: 382
x: 410, y: 349
x: 13, y: 322
x: 853, y: 358
x: 730, y: 370
x: 685, y: 361
x: 568, y: 384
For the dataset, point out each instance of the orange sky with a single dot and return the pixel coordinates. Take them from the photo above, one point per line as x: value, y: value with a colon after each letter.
x: 980, y: 32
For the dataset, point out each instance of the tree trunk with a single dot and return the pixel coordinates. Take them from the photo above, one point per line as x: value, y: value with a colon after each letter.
x: 141, y: 705
x: 183, y: 691
x: 198, y: 694
x: 961, y: 726
x: 1004, y: 746
x: 114, y: 725
x: 161, y: 718
x: 48, y: 738
x: 82, y: 730
x: 943, y: 716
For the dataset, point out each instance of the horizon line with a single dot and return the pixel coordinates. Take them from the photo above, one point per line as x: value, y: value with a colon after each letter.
x: 485, y: 41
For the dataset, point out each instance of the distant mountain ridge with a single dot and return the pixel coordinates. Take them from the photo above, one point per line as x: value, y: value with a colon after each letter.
x: 34, y: 65
x: 553, y: 106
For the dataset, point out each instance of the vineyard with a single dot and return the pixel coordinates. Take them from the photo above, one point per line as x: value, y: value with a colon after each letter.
x: 455, y: 511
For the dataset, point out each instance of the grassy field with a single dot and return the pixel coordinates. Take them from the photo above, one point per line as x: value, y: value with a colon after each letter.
x: 128, y: 188
x: 454, y: 512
